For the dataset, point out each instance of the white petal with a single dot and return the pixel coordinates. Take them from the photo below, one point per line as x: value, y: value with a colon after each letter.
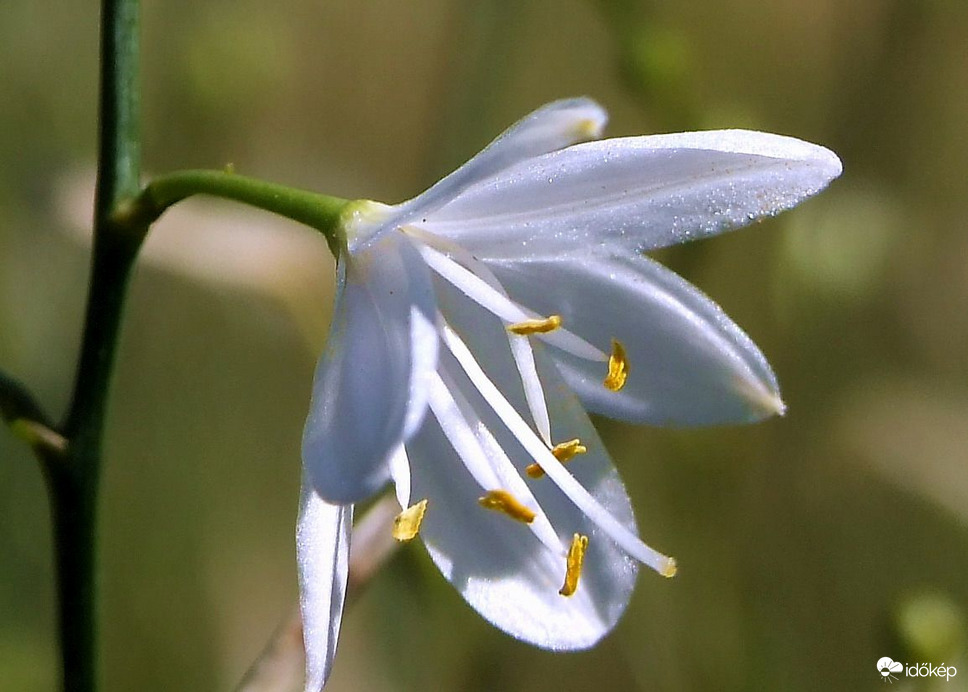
x: 424, y: 343
x: 500, y: 567
x: 634, y: 194
x: 551, y: 127
x: 689, y: 364
x: 370, y: 392
x: 322, y: 552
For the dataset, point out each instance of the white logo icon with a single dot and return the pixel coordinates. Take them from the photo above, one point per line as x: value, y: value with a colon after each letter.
x: 886, y: 666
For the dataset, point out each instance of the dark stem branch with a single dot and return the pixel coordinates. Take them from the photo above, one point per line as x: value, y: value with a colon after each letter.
x: 73, y: 484
x: 17, y: 403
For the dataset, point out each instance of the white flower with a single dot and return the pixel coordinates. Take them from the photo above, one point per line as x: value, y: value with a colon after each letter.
x: 477, y: 322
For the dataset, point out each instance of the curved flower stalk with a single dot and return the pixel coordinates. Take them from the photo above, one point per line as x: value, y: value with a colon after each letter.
x: 476, y: 324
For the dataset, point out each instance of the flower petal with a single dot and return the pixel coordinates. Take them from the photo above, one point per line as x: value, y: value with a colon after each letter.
x: 549, y: 128
x: 370, y: 393
x: 500, y: 567
x: 322, y: 552
x: 689, y: 363
x: 619, y: 196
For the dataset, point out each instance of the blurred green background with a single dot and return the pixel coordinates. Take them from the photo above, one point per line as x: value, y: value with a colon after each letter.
x: 809, y: 546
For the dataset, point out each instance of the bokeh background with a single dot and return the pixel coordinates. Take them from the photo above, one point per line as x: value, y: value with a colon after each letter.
x: 809, y: 546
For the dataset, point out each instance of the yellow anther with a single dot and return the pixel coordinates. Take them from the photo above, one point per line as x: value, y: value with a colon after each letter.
x: 618, y: 367
x: 576, y: 556
x: 540, y: 326
x: 503, y: 501
x: 563, y: 452
x: 670, y: 568
x: 406, y: 525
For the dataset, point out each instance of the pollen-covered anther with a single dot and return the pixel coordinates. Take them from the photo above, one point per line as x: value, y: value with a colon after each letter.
x: 574, y: 561
x: 536, y: 326
x: 670, y: 568
x: 505, y: 502
x: 563, y: 451
x: 406, y: 525
x: 618, y: 367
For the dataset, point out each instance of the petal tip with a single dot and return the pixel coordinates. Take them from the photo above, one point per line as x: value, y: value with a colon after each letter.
x: 588, y: 129
x: 763, y: 401
x: 588, y: 117
x: 828, y: 161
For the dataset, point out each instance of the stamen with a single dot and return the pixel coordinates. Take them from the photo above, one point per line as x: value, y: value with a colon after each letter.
x: 495, y: 301
x: 576, y: 556
x: 563, y: 451
x: 481, y: 453
x: 406, y: 525
x: 400, y: 473
x: 520, y: 348
x: 569, y: 485
x: 670, y: 568
x: 503, y: 501
x: 536, y: 326
x: 618, y: 367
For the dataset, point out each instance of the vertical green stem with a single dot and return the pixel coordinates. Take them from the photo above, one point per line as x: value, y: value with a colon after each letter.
x: 73, y: 510
x: 73, y: 480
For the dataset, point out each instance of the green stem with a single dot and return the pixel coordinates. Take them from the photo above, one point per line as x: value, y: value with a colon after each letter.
x: 71, y: 455
x: 73, y: 479
x: 322, y: 212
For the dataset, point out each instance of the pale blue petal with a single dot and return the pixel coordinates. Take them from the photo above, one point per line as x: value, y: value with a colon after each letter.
x: 498, y: 565
x: 369, y: 392
x: 322, y: 553
x: 501, y: 568
x: 690, y: 364
x: 551, y: 127
x: 621, y: 196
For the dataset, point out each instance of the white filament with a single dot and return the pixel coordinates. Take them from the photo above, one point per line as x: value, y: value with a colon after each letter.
x: 567, y: 483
